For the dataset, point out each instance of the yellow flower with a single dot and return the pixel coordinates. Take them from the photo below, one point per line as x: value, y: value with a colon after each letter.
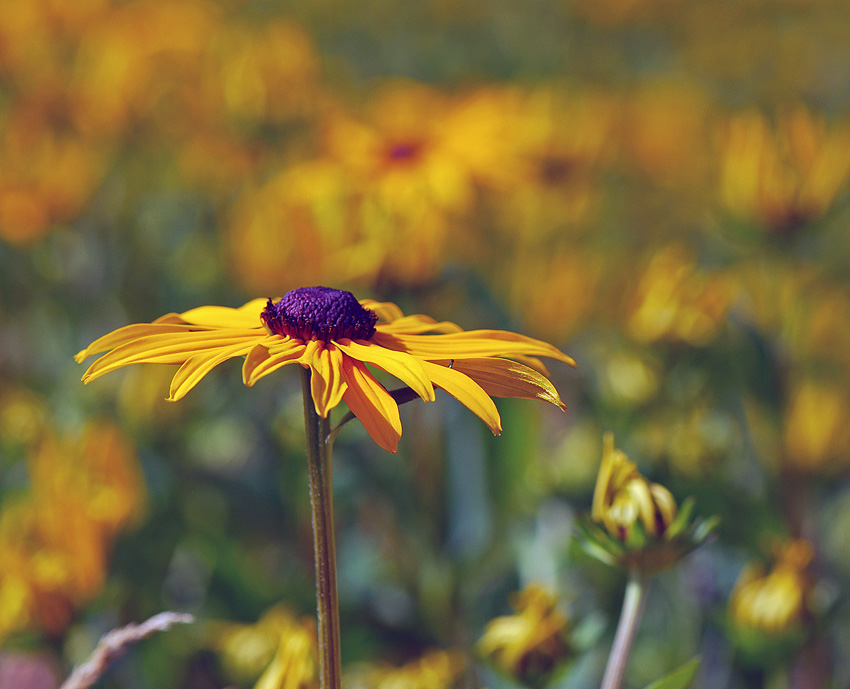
x: 295, y: 663
x: 816, y: 429
x: 786, y: 175
x: 56, y: 537
x: 674, y: 300
x: 623, y: 496
x: 434, y: 670
x: 531, y: 642
x: 329, y: 332
x: 778, y: 601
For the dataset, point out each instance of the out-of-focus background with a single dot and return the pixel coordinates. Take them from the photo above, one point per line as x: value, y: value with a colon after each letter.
x: 658, y: 187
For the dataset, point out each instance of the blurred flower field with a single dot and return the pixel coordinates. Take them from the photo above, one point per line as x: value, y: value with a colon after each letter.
x: 658, y: 188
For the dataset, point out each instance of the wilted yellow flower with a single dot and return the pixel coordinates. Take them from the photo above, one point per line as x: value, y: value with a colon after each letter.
x: 532, y: 642
x: 675, y: 300
x: 434, y: 670
x: 786, y: 175
x: 623, y: 497
x: 778, y: 601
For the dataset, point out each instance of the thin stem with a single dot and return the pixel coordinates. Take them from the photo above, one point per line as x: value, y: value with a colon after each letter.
x: 633, y: 601
x: 319, y: 453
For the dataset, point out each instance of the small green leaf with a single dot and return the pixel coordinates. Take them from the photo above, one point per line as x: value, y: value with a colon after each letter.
x: 680, y: 678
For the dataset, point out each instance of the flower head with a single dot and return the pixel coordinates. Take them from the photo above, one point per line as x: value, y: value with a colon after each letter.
x: 329, y: 332
x: 643, y: 528
x: 771, y: 610
x: 623, y: 496
x: 532, y: 642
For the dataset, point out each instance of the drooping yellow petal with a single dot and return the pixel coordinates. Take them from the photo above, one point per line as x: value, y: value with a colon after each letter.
x: 467, y: 392
x: 168, y: 348
x: 195, y: 368
x: 260, y: 361
x: 246, y: 316
x: 129, y: 333
x: 506, y: 378
x: 418, y: 324
x: 372, y: 404
x: 327, y: 384
x: 470, y: 344
x: 402, y: 366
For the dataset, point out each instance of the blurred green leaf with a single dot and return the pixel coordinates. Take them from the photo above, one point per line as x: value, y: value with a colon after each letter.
x: 680, y: 678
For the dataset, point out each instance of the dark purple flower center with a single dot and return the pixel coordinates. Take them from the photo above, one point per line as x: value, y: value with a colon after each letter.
x: 319, y: 313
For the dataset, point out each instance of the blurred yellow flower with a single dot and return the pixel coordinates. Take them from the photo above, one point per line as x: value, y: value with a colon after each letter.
x: 263, y: 74
x: 785, y: 175
x: 295, y: 663
x: 623, y: 497
x: 532, y: 642
x: 816, y: 431
x: 560, y: 141
x: 56, y: 537
x: 664, y: 134
x: 434, y: 670
x: 562, y: 296
x: 675, y: 300
x: 777, y: 601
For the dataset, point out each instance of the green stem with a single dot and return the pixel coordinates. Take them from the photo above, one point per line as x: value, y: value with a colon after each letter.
x: 319, y: 453
x: 633, y: 601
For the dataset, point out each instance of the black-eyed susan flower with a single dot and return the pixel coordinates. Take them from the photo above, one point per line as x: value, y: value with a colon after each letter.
x: 634, y: 523
x: 334, y: 336
x: 531, y: 643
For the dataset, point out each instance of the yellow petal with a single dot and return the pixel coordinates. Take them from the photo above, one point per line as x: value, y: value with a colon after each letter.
x: 638, y: 491
x: 247, y: 316
x: 372, y: 404
x: 260, y: 362
x: 467, y: 392
x: 327, y: 384
x: 195, y: 368
x: 506, y: 378
x: 386, y: 310
x: 471, y: 344
x: 128, y: 334
x: 168, y: 348
x: 402, y: 366
x: 601, y: 492
x: 417, y: 324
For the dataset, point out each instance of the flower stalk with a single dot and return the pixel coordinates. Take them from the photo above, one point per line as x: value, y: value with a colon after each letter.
x: 633, y: 601
x: 319, y: 454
